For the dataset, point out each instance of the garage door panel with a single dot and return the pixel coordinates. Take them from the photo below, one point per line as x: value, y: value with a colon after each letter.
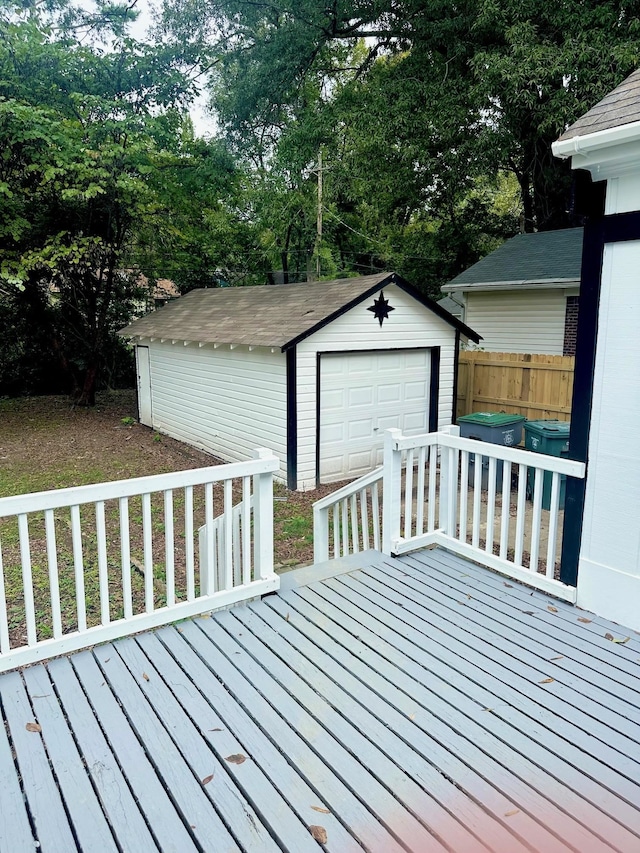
x: 334, y: 400
x: 414, y: 423
x: 362, y: 429
x: 389, y: 393
x: 415, y: 391
x: 392, y: 362
x: 362, y: 395
x: 335, y: 433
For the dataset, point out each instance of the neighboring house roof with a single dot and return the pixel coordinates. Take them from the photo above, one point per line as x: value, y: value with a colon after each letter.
x: 543, y: 259
x: 271, y: 315
x: 619, y: 107
x: 451, y: 305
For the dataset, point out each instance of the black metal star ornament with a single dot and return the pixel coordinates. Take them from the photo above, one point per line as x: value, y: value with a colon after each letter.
x: 380, y: 308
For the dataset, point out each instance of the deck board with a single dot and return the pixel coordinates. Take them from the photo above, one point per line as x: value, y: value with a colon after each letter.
x: 383, y: 704
x: 461, y: 689
x: 487, y: 622
x: 510, y: 773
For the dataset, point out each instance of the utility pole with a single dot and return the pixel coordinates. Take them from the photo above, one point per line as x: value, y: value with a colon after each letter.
x: 319, y: 224
x: 319, y: 170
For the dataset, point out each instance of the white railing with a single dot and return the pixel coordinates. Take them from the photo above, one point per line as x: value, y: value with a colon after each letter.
x: 496, y: 505
x: 348, y: 521
x: 90, y: 564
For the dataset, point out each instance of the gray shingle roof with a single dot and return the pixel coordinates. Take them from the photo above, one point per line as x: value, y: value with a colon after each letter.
x: 619, y: 107
x: 544, y: 257
x: 451, y: 305
x: 271, y: 315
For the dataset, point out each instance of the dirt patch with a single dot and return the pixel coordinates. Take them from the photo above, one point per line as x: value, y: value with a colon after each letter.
x: 46, y: 443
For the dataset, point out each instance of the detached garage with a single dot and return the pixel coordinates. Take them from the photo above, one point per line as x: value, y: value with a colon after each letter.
x: 316, y: 372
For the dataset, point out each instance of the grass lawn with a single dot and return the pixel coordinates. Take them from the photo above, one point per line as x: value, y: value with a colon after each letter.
x: 45, y: 443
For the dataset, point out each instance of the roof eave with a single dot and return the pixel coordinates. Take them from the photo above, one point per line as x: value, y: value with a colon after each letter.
x: 597, y: 140
x: 519, y: 284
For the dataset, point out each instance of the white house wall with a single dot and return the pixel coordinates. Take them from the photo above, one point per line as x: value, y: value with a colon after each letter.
x: 531, y: 321
x: 226, y: 402
x: 409, y: 325
x: 609, y: 570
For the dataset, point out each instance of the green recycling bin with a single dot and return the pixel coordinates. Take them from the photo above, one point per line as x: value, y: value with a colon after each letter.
x: 550, y: 437
x: 495, y: 428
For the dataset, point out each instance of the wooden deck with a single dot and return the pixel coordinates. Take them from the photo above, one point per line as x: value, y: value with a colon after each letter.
x: 422, y: 704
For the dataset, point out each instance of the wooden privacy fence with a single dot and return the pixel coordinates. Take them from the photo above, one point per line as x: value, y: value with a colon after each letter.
x: 536, y: 386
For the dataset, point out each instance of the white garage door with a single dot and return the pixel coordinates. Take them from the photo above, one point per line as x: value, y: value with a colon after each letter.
x: 362, y: 395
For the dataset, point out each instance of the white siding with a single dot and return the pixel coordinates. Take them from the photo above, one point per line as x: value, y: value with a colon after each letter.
x: 609, y: 573
x: 623, y: 193
x: 531, y: 321
x: 226, y: 402
x: 408, y: 325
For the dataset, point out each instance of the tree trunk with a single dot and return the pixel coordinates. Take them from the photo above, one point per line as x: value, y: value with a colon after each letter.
x: 87, y: 394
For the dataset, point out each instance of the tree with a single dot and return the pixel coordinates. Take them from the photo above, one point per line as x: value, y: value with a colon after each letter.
x: 80, y: 131
x: 489, y: 82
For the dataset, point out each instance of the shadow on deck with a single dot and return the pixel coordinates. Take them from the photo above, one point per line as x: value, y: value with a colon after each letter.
x: 419, y: 704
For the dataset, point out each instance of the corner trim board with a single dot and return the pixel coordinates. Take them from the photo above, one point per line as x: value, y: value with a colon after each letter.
x: 292, y: 419
x: 434, y: 388
x: 615, y: 228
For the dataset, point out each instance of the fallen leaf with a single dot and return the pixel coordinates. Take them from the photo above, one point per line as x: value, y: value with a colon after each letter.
x: 145, y: 676
x: 207, y: 779
x: 558, y: 658
x: 412, y: 716
x: 546, y: 681
x: 511, y: 813
x: 319, y: 833
x: 508, y: 585
x: 490, y: 710
x: 236, y: 758
x: 582, y: 619
x: 608, y: 636
x: 33, y: 727
x: 551, y: 608
x: 287, y: 617
x: 320, y: 809
x: 618, y: 640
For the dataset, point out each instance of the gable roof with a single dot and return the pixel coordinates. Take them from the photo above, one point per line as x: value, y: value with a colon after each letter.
x: 543, y: 259
x: 451, y: 305
x: 270, y: 315
x: 619, y: 107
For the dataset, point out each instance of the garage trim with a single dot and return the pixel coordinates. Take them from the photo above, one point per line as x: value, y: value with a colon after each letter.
x: 292, y: 419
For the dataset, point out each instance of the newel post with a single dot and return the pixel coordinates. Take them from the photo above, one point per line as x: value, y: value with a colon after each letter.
x: 449, y: 463
x: 391, y: 490
x: 320, y: 534
x: 263, y: 518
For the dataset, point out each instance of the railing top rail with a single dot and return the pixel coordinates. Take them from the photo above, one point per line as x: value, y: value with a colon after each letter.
x: 498, y: 451
x: 76, y: 495
x: 349, y: 489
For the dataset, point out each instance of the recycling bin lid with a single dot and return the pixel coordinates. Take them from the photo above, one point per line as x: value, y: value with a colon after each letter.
x: 559, y: 429
x: 491, y: 419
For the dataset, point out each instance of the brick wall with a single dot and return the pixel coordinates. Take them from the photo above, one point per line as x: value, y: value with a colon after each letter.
x: 570, y: 326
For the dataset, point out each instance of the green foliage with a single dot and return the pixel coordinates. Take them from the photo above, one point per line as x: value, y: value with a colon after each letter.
x: 99, y: 173
x: 418, y: 105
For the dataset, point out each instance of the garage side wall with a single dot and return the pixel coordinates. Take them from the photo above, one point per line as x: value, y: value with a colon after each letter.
x: 226, y: 402
x: 410, y: 325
